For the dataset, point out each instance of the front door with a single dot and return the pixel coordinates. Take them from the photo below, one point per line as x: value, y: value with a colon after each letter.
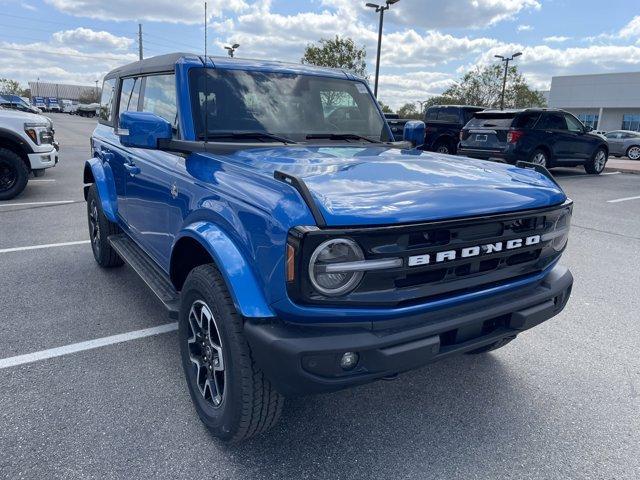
x: 582, y: 144
x: 152, y: 211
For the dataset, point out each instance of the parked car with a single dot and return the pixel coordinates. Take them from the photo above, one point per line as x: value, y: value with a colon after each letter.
x: 443, y: 125
x: 14, y: 102
x: 396, y: 124
x: 301, y: 252
x: 68, y: 106
x: 624, y: 143
x: 27, y: 146
x: 546, y: 137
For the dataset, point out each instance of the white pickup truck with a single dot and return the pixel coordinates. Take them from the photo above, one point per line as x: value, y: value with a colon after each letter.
x: 27, y: 146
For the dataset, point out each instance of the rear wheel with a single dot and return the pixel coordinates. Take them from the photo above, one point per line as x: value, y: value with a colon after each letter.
x: 539, y: 157
x: 595, y: 165
x: 230, y: 393
x: 99, y: 230
x: 14, y: 174
x: 445, y: 146
x: 633, y: 152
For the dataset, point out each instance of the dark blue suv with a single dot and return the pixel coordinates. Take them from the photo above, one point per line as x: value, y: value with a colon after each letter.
x: 299, y: 249
x: 546, y: 137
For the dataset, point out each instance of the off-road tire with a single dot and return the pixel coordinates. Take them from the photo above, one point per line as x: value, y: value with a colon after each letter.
x: 103, y: 252
x: 493, y: 346
x: 12, y: 165
x: 250, y: 404
x: 593, y: 166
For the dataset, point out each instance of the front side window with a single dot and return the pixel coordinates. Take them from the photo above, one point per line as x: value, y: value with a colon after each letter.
x: 284, y: 104
x: 573, y: 124
x: 160, y: 97
x: 106, y: 101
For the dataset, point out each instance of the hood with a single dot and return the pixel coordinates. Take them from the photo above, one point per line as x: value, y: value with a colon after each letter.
x: 24, y: 116
x: 384, y: 186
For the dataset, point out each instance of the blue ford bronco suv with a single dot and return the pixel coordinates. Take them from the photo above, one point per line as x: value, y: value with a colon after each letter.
x: 299, y: 248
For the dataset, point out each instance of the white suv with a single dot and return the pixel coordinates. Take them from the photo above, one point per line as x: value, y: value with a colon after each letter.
x: 26, y: 146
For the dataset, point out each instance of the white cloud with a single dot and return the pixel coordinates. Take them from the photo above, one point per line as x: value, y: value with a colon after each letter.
x: 631, y: 29
x: 524, y: 28
x: 171, y: 11
x: 398, y: 89
x: 556, y: 39
x: 86, y: 36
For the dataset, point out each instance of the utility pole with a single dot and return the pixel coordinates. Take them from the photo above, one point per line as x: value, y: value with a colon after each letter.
x: 380, y: 9
x: 506, y: 61
x: 140, y: 41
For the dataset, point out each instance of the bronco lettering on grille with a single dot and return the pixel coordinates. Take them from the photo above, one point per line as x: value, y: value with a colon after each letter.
x: 474, y: 251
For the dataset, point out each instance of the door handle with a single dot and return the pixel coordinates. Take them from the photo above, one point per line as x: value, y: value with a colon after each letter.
x: 106, y: 156
x: 131, y: 168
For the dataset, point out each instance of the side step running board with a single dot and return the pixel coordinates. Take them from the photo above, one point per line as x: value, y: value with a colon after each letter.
x: 146, y: 268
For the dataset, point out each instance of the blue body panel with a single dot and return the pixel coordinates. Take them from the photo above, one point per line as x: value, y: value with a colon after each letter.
x: 235, y: 208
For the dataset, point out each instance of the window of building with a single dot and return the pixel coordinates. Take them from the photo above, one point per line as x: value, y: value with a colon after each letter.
x: 631, y: 122
x: 589, y: 120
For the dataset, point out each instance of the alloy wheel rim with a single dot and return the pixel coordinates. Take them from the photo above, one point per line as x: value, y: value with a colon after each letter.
x: 601, y: 159
x: 634, y: 153
x: 540, y: 159
x: 8, y: 176
x: 443, y: 149
x: 94, y: 226
x: 205, y: 354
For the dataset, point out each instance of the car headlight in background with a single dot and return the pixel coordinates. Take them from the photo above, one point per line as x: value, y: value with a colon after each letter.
x: 39, y: 133
x: 325, y: 279
x: 561, y: 231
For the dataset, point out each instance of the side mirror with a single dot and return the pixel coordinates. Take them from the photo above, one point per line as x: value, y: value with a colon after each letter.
x: 414, y: 132
x: 588, y: 128
x: 143, y: 129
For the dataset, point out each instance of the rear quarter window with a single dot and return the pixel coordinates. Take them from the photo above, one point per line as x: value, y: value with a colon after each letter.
x: 105, y: 115
x: 432, y: 113
x: 449, y: 115
x: 526, y: 120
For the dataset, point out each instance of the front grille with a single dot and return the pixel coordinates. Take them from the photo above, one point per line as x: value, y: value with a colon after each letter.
x: 407, y: 285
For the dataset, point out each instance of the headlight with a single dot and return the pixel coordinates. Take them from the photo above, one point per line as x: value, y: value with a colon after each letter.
x: 333, y: 251
x: 39, y: 133
x: 561, y: 230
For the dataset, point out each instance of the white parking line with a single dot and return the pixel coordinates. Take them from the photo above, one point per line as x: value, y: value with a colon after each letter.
x: 38, y: 247
x: 618, y: 200
x: 88, y: 345
x: 43, y: 180
x: 59, y: 202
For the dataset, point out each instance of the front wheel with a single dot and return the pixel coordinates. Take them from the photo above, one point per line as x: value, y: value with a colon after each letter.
x: 230, y: 393
x: 14, y: 174
x: 595, y: 165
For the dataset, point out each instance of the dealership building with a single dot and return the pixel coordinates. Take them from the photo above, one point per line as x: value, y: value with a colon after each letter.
x: 62, y: 90
x: 608, y: 101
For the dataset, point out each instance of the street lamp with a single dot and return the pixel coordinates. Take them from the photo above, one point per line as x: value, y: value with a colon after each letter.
x: 422, y: 103
x: 232, y: 49
x: 506, y: 61
x: 380, y: 9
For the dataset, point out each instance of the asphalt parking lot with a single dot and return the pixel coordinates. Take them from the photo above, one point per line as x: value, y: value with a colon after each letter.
x: 563, y: 401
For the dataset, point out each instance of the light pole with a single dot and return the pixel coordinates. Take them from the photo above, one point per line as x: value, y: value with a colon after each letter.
x: 380, y: 9
x: 506, y: 61
x: 422, y: 106
x: 232, y: 49
x: 97, y: 96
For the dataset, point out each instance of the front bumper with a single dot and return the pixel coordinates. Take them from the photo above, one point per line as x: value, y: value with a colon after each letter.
x: 45, y: 159
x: 300, y: 360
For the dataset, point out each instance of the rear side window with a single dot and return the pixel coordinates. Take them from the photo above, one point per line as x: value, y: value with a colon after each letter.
x: 432, y: 113
x: 552, y: 121
x: 487, y: 121
x: 106, y: 102
x: 526, y: 120
x: 129, y: 94
x: 160, y: 97
x: 449, y: 115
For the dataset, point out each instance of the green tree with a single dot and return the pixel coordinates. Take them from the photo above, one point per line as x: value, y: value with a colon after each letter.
x: 337, y: 53
x: 483, y: 87
x: 11, y: 87
x: 385, y: 108
x: 409, y: 110
x: 442, y: 100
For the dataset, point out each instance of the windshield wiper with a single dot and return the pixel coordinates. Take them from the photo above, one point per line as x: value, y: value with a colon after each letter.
x: 245, y: 134
x: 340, y: 136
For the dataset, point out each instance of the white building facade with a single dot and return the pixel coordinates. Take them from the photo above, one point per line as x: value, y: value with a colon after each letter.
x: 609, y: 101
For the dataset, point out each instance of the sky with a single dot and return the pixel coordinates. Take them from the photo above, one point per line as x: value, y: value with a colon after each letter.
x: 427, y: 44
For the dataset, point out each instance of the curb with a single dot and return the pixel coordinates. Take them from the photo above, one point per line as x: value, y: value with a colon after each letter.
x: 634, y: 171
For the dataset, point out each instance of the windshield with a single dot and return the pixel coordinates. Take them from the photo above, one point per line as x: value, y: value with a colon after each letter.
x: 287, y: 105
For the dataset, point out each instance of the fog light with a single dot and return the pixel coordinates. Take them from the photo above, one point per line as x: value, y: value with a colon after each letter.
x: 349, y: 360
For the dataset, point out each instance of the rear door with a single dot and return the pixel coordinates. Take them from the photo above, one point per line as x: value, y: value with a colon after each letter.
x: 488, y: 131
x: 554, y: 134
